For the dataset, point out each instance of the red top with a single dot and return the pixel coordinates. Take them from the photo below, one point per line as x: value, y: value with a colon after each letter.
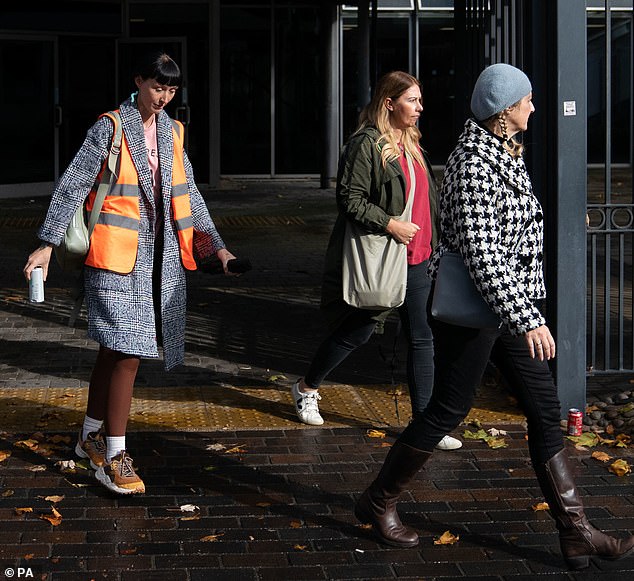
x: 419, y: 249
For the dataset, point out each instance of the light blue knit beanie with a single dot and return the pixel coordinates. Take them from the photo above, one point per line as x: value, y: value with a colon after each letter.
x: 498, y: 87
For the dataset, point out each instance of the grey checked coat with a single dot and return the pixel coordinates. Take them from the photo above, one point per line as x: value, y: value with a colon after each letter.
x: 489, y: 214
x: 120, y: 307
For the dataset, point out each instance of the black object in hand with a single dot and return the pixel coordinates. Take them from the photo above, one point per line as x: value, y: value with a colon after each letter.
x: 235, y: 265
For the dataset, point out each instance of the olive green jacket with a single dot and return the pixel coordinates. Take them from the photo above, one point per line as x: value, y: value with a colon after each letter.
x: 369, y: 194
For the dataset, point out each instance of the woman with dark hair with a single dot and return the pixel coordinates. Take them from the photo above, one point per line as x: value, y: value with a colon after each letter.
x: 153, y: 226
x: 490, y: 216
x: 373, y: 186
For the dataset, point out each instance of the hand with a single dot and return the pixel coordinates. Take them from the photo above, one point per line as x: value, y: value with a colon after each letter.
x: 402, y: 232
x: 225, y: 256
x: 40, y: 257
x: 540, y: 343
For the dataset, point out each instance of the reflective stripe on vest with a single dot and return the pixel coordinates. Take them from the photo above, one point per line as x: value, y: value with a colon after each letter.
x: 181, y: 204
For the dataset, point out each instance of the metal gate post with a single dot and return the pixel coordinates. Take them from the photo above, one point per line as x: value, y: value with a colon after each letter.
x: 571, y: 172
x: 557, y: 159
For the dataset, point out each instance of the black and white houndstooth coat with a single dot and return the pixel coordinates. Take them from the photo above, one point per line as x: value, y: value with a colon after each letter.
x: 489, y: 214
x: 120, y: 307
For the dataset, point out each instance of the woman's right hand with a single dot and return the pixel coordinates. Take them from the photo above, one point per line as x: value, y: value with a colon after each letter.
x: 540, y: 343
x: 40, y: 257
x: 402, y: 232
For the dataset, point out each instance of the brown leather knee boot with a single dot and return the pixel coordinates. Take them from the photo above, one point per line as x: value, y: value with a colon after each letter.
x: 377, y: 505
x: 579, y: 540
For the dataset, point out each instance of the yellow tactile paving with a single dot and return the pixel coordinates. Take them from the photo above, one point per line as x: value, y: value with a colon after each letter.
x: 233, y: 407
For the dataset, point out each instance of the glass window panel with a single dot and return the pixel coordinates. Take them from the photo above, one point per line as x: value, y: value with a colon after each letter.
x: 298, y: 91
x: 245, y: 49
x: 26, y: 78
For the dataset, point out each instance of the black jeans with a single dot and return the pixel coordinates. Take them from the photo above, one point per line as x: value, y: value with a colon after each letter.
x: 461, y: 356
x: 358, y: 327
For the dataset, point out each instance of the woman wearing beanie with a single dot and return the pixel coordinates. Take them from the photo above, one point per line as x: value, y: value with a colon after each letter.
x: 490, y: 216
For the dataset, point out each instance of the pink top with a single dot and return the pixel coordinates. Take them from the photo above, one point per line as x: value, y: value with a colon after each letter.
x: 419, y: 249
x: 152, y: 157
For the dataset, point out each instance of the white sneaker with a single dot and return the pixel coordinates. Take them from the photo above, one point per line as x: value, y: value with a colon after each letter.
x: 449, y: 443
x: 306, y: 406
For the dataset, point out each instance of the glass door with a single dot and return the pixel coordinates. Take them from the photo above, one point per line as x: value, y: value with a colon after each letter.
x: 30, y: 101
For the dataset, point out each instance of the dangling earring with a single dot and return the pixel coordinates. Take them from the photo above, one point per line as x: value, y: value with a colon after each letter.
x: 502, y: 124
x: 133, y: 96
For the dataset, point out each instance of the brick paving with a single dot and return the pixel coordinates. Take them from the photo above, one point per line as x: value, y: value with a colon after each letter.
x: 273, y: 501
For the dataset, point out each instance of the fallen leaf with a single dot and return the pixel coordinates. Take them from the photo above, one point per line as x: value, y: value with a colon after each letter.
x: 54, y: 499
x: 129, y: 551
x: 216, y: 447
x: 601, y: 456
x: 496, y: 443
x: 540, y: 506
x: 193, y: 517
x: 300, y: 547
x: 239, y: 449
x: 189, y: 508
x: 447, y: 539
x: 479, y: 435
x: 296, y: 524
x: 211, y: 538
x: 263, y: 504
x: 375, y: 434
x: 587, y: 439
x: 476, y: 423
x: 275, y: 378
x: 8, y: 492
x: 29, y: 444
x: 23, y: 510
x: 55, y: 518
x: 385, y: 445
x: 29, y: 556
x: 365, y: 526
x: 37, y: 468
x: 4, y: 454
x: 609, y: 429
x: 620, y: 468
x: 623, y: 440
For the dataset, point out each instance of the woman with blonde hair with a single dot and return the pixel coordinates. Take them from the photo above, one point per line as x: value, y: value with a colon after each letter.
x: 373, y: 184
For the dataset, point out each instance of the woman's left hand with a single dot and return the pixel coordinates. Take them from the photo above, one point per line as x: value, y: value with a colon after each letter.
x: 225, y: 256
x: 540, y: 343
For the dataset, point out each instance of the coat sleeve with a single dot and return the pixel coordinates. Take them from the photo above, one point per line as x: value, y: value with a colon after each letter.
x: 207, y: 240
x: 479, y: 234
x: 76, y: 182
x: 355, y: 184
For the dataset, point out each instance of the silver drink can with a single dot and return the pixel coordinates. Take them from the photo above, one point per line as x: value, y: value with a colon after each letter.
x: 36, y: 285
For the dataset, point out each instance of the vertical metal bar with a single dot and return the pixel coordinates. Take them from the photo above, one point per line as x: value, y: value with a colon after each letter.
x: 621, y: 295
x: 272, y: 85
x: 214, y: 93
x: 607, y: 274
x: 593, y: 301
x: 608, y: 102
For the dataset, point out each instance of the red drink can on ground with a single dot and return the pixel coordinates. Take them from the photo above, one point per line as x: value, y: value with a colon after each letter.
x: 575, y: 422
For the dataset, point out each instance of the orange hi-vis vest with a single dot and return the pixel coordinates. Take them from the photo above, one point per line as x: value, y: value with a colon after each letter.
x: 115, y: 240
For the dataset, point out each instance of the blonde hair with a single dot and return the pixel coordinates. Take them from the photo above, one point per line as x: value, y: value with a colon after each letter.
x: 514, y: 147
x: 375, y: 114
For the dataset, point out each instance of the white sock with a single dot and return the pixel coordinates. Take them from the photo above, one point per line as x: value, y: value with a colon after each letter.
x: 114, y: 445
x: 90, y: 425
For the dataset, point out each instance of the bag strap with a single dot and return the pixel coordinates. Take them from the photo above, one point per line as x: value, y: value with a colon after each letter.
x: 109, y: 175
x: 407, y: 212
x: 110, y: 172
